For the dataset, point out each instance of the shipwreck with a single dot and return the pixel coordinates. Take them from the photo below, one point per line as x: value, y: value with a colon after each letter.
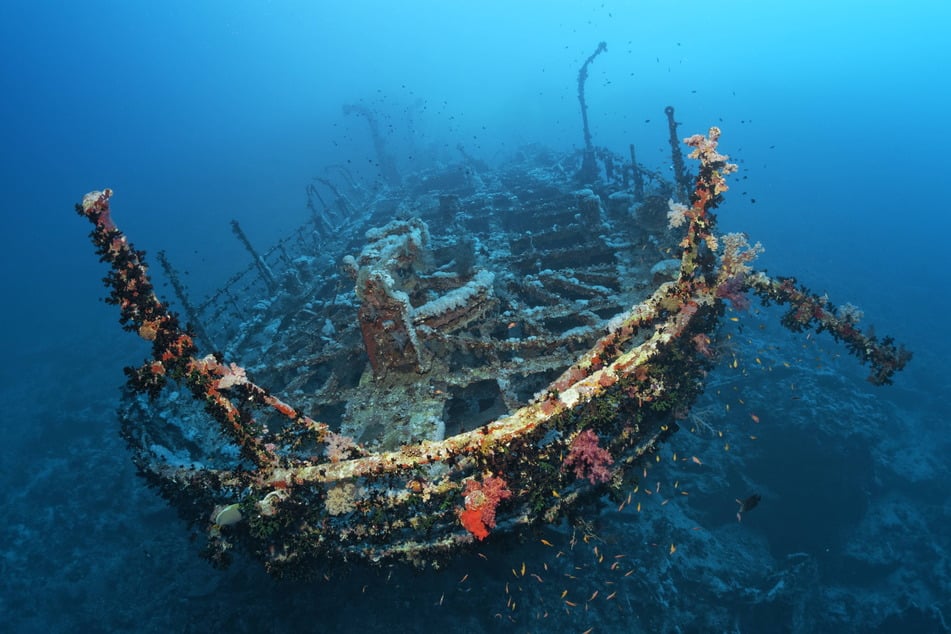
x: 459, y: 353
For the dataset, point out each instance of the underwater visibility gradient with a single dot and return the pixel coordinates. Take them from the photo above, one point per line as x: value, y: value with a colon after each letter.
x: 537, y: 316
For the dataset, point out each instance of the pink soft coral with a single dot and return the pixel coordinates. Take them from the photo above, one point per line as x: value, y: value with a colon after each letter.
x: 588, y: 458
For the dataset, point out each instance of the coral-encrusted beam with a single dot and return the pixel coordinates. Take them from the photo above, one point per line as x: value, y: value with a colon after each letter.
x: 807, y: 310
x: 709, y: 187
x: 810, y: 311
x: 173, y: 349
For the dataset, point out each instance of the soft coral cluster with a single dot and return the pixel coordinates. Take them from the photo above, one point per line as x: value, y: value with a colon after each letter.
x: 733, y: 289
x: 482, y: 498
x: 588, y: 458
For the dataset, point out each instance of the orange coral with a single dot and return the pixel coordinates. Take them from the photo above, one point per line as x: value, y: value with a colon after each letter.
x: 482, y: 498
x: 471, y: 520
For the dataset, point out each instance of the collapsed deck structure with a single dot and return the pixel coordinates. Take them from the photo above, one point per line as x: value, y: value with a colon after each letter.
x: 473, y: 351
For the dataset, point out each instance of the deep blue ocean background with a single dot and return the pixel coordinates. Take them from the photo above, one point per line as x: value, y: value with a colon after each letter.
x: 199, y: 112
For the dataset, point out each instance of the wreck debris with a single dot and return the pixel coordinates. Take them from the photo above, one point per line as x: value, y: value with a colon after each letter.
x: 637, y: 176
x: 194, y: 323
x: 385, y: 162
x: 259, y: 262
x: 589, y: 169
x: 681, y: 178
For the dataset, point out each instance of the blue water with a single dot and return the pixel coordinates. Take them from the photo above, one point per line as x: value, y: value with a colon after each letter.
x: 197, y: 113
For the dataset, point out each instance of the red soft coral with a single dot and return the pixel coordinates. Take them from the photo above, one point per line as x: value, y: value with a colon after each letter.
x: 471, y: 520
x: 482, y: 499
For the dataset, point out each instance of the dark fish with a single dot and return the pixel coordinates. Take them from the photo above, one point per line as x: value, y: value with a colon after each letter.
x: 747, y: 504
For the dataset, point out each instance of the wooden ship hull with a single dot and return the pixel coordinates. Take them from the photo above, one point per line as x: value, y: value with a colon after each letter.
x: 469, y: 352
